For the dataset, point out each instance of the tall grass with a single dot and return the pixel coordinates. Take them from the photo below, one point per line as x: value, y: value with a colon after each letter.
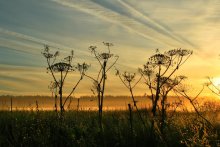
x: 46, y: 128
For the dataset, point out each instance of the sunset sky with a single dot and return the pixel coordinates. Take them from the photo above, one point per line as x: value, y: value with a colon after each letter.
x: 136, y: 28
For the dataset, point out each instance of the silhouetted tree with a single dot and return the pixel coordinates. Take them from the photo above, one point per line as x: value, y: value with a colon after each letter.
x: 60, y: 70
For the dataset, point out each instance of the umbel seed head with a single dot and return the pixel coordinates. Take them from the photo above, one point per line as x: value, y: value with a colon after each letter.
x: 61, y: 66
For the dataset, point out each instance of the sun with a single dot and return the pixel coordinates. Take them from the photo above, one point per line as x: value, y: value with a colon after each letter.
x: 216, y: 81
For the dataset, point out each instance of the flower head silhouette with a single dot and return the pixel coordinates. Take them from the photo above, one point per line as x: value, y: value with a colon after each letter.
x: 159, y: 59
x: 62, y: 66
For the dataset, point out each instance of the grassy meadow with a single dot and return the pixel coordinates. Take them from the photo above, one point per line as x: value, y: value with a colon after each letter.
x: 120, y: 128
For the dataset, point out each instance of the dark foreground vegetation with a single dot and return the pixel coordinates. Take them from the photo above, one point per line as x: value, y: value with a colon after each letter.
x: 120, y: 128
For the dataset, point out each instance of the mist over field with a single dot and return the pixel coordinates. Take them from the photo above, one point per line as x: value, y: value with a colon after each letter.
x: 89, y: 103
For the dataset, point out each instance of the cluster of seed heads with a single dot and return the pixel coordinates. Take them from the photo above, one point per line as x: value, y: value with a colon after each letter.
x: 159, y: 59
x: 179, y: 52
x: 62, y: 66
x: 128, y: 77
x: 82, y: 68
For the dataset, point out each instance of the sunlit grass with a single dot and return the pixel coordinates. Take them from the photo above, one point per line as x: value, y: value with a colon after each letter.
x: 47, y: 128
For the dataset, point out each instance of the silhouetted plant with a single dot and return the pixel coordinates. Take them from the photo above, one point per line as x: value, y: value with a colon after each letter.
x: 158, y: 74
x: 60, y: 70
x: 159, y: 69
x: 11, y: 100
x: 77, y: 107
x: 37, y: 106
x: 82, y: 68
x: 201, y: 130
x: 170, y: 84
x: 54, y: 90
x: 212, y: 87
x: 128, y: 79
x: 182, y: 90
x: 99, y: 81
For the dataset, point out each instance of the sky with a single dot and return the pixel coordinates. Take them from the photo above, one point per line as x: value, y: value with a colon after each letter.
x: 136, y: 28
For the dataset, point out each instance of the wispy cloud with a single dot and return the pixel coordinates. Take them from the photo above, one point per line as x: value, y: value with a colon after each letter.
x: 18, y: 46
x: 32, y: 44
x: 131, y: 24
x: 157, y: 26
x: 32, y: 39
x: 15, y: 69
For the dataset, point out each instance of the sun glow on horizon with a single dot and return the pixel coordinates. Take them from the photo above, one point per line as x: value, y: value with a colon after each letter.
x: 216, y: 82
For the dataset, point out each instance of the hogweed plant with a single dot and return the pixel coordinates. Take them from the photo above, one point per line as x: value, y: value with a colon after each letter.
x: 59, y: 71
x: 202, y: 131
x: 99, y: 82
x: 168, y: 86
x: 182, y: 91
x: 128, y: 79
x: 82, y: 68
x: 158, y: 72
x: 53, y: 87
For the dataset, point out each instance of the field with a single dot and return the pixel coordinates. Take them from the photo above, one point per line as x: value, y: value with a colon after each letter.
x: 85, y: 103
x: 80, y: 128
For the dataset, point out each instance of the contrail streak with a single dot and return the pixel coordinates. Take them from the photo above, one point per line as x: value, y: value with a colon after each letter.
x: 60, y: 47
x: 32, y: 39
x: 23, y: 48
x: 154, y: 23
x: 124, y: 21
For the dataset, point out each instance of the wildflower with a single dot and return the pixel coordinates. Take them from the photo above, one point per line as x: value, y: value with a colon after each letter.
x: 47, y: 54
x: 129, y: 77
x: 61, y: 66
x: 108, y: 44
x: 53, y: 85
x: 92, y: 49
x: 184, y: 52
x: 159, y: 59
x: 147, y: 70
x: 82, y: 68
x: 105, y: 56
x: 117, y: 72
x: 171, y: 52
